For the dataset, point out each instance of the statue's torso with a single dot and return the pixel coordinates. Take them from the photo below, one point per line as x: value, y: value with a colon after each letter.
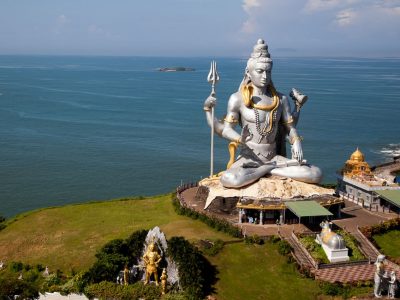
x: 263, y: 145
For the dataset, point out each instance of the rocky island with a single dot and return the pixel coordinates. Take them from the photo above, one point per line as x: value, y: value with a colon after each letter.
x: 176, y: 69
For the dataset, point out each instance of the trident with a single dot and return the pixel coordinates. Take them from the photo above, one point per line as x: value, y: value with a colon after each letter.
x: 212, y: 78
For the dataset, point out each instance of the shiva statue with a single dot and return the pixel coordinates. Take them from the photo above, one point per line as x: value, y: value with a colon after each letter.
x: 266, y: 121
x: 151, y: 259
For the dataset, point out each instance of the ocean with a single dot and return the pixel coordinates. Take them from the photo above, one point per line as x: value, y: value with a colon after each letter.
x: 75, y: 129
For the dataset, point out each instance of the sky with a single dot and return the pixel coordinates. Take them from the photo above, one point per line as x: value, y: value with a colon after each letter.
x: 339, y: 28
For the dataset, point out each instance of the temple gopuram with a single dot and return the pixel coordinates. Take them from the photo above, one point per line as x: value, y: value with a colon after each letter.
x: 369, y: 187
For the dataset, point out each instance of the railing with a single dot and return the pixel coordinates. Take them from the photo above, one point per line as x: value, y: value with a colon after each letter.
x: 309, y: 257
x: 367, y: 241
x: 344, y: 264
x: 183, y: 187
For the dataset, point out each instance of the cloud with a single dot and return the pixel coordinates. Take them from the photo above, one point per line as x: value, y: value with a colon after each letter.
x: 345, y: 17
x: 322, y: 5
x: 62, y: 19
x: 61, y: 23
x: 248, y: 5
x: 95, y: 29
x: 389, y: 7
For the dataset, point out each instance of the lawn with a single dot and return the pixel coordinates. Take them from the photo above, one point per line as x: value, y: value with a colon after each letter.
x: 259, y: 272
x: 389, y: 242
x: 68, y: 237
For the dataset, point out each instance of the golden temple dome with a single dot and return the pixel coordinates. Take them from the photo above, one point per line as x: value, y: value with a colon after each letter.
x: 357, y: 156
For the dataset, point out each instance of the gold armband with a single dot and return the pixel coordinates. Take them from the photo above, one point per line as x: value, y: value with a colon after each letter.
x: 296, y: 138
x: 206, y: 108
x: 230, y: 119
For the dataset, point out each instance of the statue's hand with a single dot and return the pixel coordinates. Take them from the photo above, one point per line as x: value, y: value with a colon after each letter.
x: 210, y: 102
x: 298, y: 97
x: 246, y: 135
x: 297, y: 151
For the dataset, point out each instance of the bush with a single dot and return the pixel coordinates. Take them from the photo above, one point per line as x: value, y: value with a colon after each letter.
x: 2, y: 223
x: 213, y: 222
x: 113, y: 257
x: 369, y: 231
x: 212, y: 248
x: 315, y: 250
x: 352, y: 244
x: 27, y: 287
x: 335, y: 289
x: 109, y: 290
x: 254, y: 239
x: 284, y: 248
x: 196, y: 275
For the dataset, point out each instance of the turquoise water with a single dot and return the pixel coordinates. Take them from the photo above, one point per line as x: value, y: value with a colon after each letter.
x: 74, y: 129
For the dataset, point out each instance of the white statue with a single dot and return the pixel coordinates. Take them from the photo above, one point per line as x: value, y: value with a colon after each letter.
x: 266, y: 120
x: 392, y: 285
x: 378, y: 276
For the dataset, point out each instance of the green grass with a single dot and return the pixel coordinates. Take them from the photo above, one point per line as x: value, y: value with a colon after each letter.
x: 68, y: 237
x: 248, y: 271
x: 351, y: 244
x: 315, y: 249
x: 389, y: 242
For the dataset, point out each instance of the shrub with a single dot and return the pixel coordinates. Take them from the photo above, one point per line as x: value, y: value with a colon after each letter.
x: 352, y: 244
x: 109, y: 290
x: 196, y: 275
x: 335, y: 289
x: 10, y: 284
x: 254, y: 239
x: 2, y: 223
x: 213, y: 222
x: 284, y: 247
x: 369, y: 231
x: 315, y: 250
x: 212, y: 248
x: 113, y: 256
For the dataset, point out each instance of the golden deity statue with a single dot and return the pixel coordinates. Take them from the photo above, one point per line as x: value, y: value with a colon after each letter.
x: 163, y: 279
x: 151, y: 259
x: 126, y: 275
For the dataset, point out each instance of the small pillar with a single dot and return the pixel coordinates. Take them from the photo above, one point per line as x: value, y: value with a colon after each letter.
x: 240, y: 215
x: 261, y: 217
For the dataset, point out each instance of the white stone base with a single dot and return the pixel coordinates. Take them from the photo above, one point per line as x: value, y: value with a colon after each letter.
x: 336, y: 255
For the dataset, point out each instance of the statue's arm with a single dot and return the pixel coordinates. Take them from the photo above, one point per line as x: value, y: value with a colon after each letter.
x: 209, y: 103
x: 288, y: 122
x: 232, y: 119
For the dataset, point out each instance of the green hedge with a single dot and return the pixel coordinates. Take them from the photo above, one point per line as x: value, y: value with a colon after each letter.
x: 2, y: 222
x: 369, y: 231
x: 213, y: 222
x: 110, y: 290
x: 113, y: 256
x: 196, y: 274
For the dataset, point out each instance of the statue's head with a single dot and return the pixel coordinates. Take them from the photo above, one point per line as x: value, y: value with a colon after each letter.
x: 151, y: 246
x: 259, y: 65
x: 381, y: 258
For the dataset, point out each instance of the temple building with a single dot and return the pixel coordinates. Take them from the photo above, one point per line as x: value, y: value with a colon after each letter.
x: 272, y: 200
x: 357, y: 182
